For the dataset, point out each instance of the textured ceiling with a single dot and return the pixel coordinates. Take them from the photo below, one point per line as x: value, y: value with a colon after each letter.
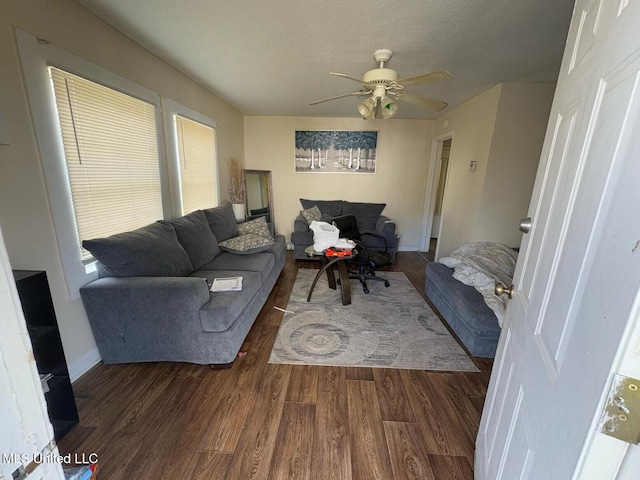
x: 274, y: 57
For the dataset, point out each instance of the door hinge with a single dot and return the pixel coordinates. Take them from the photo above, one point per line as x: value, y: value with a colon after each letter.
x: 621, y: 416
x: 22, y: 472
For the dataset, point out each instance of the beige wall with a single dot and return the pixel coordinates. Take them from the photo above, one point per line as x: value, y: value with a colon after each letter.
x: 502, y: 130
x: 24, y: 208
x: 472, y: 127
x: 521, y: 121
x: 399, y: 181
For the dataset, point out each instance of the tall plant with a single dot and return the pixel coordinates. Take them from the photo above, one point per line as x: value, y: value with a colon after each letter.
x: 237, y: 192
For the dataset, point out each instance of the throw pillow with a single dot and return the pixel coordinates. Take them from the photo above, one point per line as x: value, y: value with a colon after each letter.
x: 222, y: 221
x: 257, y: 226
x: 196, y: 237
x: 151, y: 251
x: 246, y: 244
x: 312, y: 214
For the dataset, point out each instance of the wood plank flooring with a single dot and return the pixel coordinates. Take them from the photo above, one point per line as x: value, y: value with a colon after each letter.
x: 282, y: 422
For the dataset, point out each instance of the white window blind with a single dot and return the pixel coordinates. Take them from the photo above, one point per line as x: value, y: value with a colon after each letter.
x: 198, y: 166
x: 111, y: 150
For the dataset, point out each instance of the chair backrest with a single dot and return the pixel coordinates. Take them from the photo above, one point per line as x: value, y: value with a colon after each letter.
x: 348, y: 227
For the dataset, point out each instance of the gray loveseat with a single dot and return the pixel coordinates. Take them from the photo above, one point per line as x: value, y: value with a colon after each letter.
x: 368, y: 216
x: 152, y: 300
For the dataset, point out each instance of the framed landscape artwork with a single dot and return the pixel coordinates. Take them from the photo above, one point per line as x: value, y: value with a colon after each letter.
x: 336, y: 151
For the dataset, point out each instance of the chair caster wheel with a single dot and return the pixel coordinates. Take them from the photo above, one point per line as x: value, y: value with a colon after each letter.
x: 386, y: 284
x: 366, y: 290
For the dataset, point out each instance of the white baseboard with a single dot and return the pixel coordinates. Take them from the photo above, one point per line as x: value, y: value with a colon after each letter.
x: 83, y: 364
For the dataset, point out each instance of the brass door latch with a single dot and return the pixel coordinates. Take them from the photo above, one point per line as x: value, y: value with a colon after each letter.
x: 621, y: 416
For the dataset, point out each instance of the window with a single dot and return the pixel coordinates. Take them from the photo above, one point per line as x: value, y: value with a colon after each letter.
x: 111, y: 154
x: 196, y: 154
x: 116, y: 165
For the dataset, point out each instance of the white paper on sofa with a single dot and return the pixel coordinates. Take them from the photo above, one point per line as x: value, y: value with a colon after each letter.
x: 226, y: 284
x: 325, y: 235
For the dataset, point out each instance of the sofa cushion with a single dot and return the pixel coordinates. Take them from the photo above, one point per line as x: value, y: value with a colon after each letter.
x: 312, y: 214
x: 151, y: 251
x: 262, y: 263
x: 246, y: 244
x: 222, y: 221
x: 366, y: 213
x: 327, y: 207
x: 257, y: 226
x: 196, y: 237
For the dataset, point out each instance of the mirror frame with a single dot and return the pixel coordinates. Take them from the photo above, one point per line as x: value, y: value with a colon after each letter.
x: 269, y: 184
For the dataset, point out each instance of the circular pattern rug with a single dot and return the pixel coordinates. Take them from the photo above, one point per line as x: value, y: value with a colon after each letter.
x: 388, y: 328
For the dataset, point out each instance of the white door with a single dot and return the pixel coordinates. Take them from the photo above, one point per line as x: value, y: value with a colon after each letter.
x: 577, y: 281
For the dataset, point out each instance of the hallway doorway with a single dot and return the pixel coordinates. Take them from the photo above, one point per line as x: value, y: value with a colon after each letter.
x: 434, y: 227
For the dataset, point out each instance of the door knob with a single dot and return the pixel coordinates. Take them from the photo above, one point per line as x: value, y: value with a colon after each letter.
x: 525, y: 225
x: 501, y: 289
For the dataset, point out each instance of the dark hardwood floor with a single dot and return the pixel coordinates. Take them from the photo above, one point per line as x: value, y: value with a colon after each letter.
x: 265, y: 421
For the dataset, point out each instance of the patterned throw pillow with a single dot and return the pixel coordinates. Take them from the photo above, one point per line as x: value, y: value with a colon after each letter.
x: 257, y: 226
x: 246, y: 244
x: 311, y: 214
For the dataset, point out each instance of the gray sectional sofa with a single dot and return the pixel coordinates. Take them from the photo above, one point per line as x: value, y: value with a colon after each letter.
x: 368, y: 216
x: 152, y: 301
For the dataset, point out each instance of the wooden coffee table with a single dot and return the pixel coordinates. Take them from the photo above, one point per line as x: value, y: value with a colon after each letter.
x: 328, y: 264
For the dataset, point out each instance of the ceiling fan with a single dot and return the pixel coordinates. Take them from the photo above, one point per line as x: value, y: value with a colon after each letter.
x: 382, y: 87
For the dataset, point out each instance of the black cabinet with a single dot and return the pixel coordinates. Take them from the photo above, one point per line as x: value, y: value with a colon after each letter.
x: 33, y: 289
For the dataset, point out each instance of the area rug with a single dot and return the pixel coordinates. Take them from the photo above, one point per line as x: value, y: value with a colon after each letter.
x: 388, y: 328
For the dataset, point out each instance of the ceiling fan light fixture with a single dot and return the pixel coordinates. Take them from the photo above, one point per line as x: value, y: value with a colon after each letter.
x: 388, y: 107
x: 367, y: 108
x: 383, y: 87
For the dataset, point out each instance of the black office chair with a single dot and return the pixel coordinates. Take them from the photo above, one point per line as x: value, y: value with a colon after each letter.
x: 365, y: 261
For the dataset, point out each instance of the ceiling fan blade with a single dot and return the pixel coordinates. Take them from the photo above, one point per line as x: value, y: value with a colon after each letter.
x: 425, y: 102
x: 348, y: 77
x: 435, y: 76
x: 362, y: 92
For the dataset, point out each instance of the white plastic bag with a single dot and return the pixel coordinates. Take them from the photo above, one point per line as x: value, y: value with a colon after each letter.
x: 325, y: 235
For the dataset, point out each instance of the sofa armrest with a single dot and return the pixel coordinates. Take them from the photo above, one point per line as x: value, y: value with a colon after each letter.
x: 385, y: 226
x: 144, y: 306
x: 157, y: 287
x: 300, y: 224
